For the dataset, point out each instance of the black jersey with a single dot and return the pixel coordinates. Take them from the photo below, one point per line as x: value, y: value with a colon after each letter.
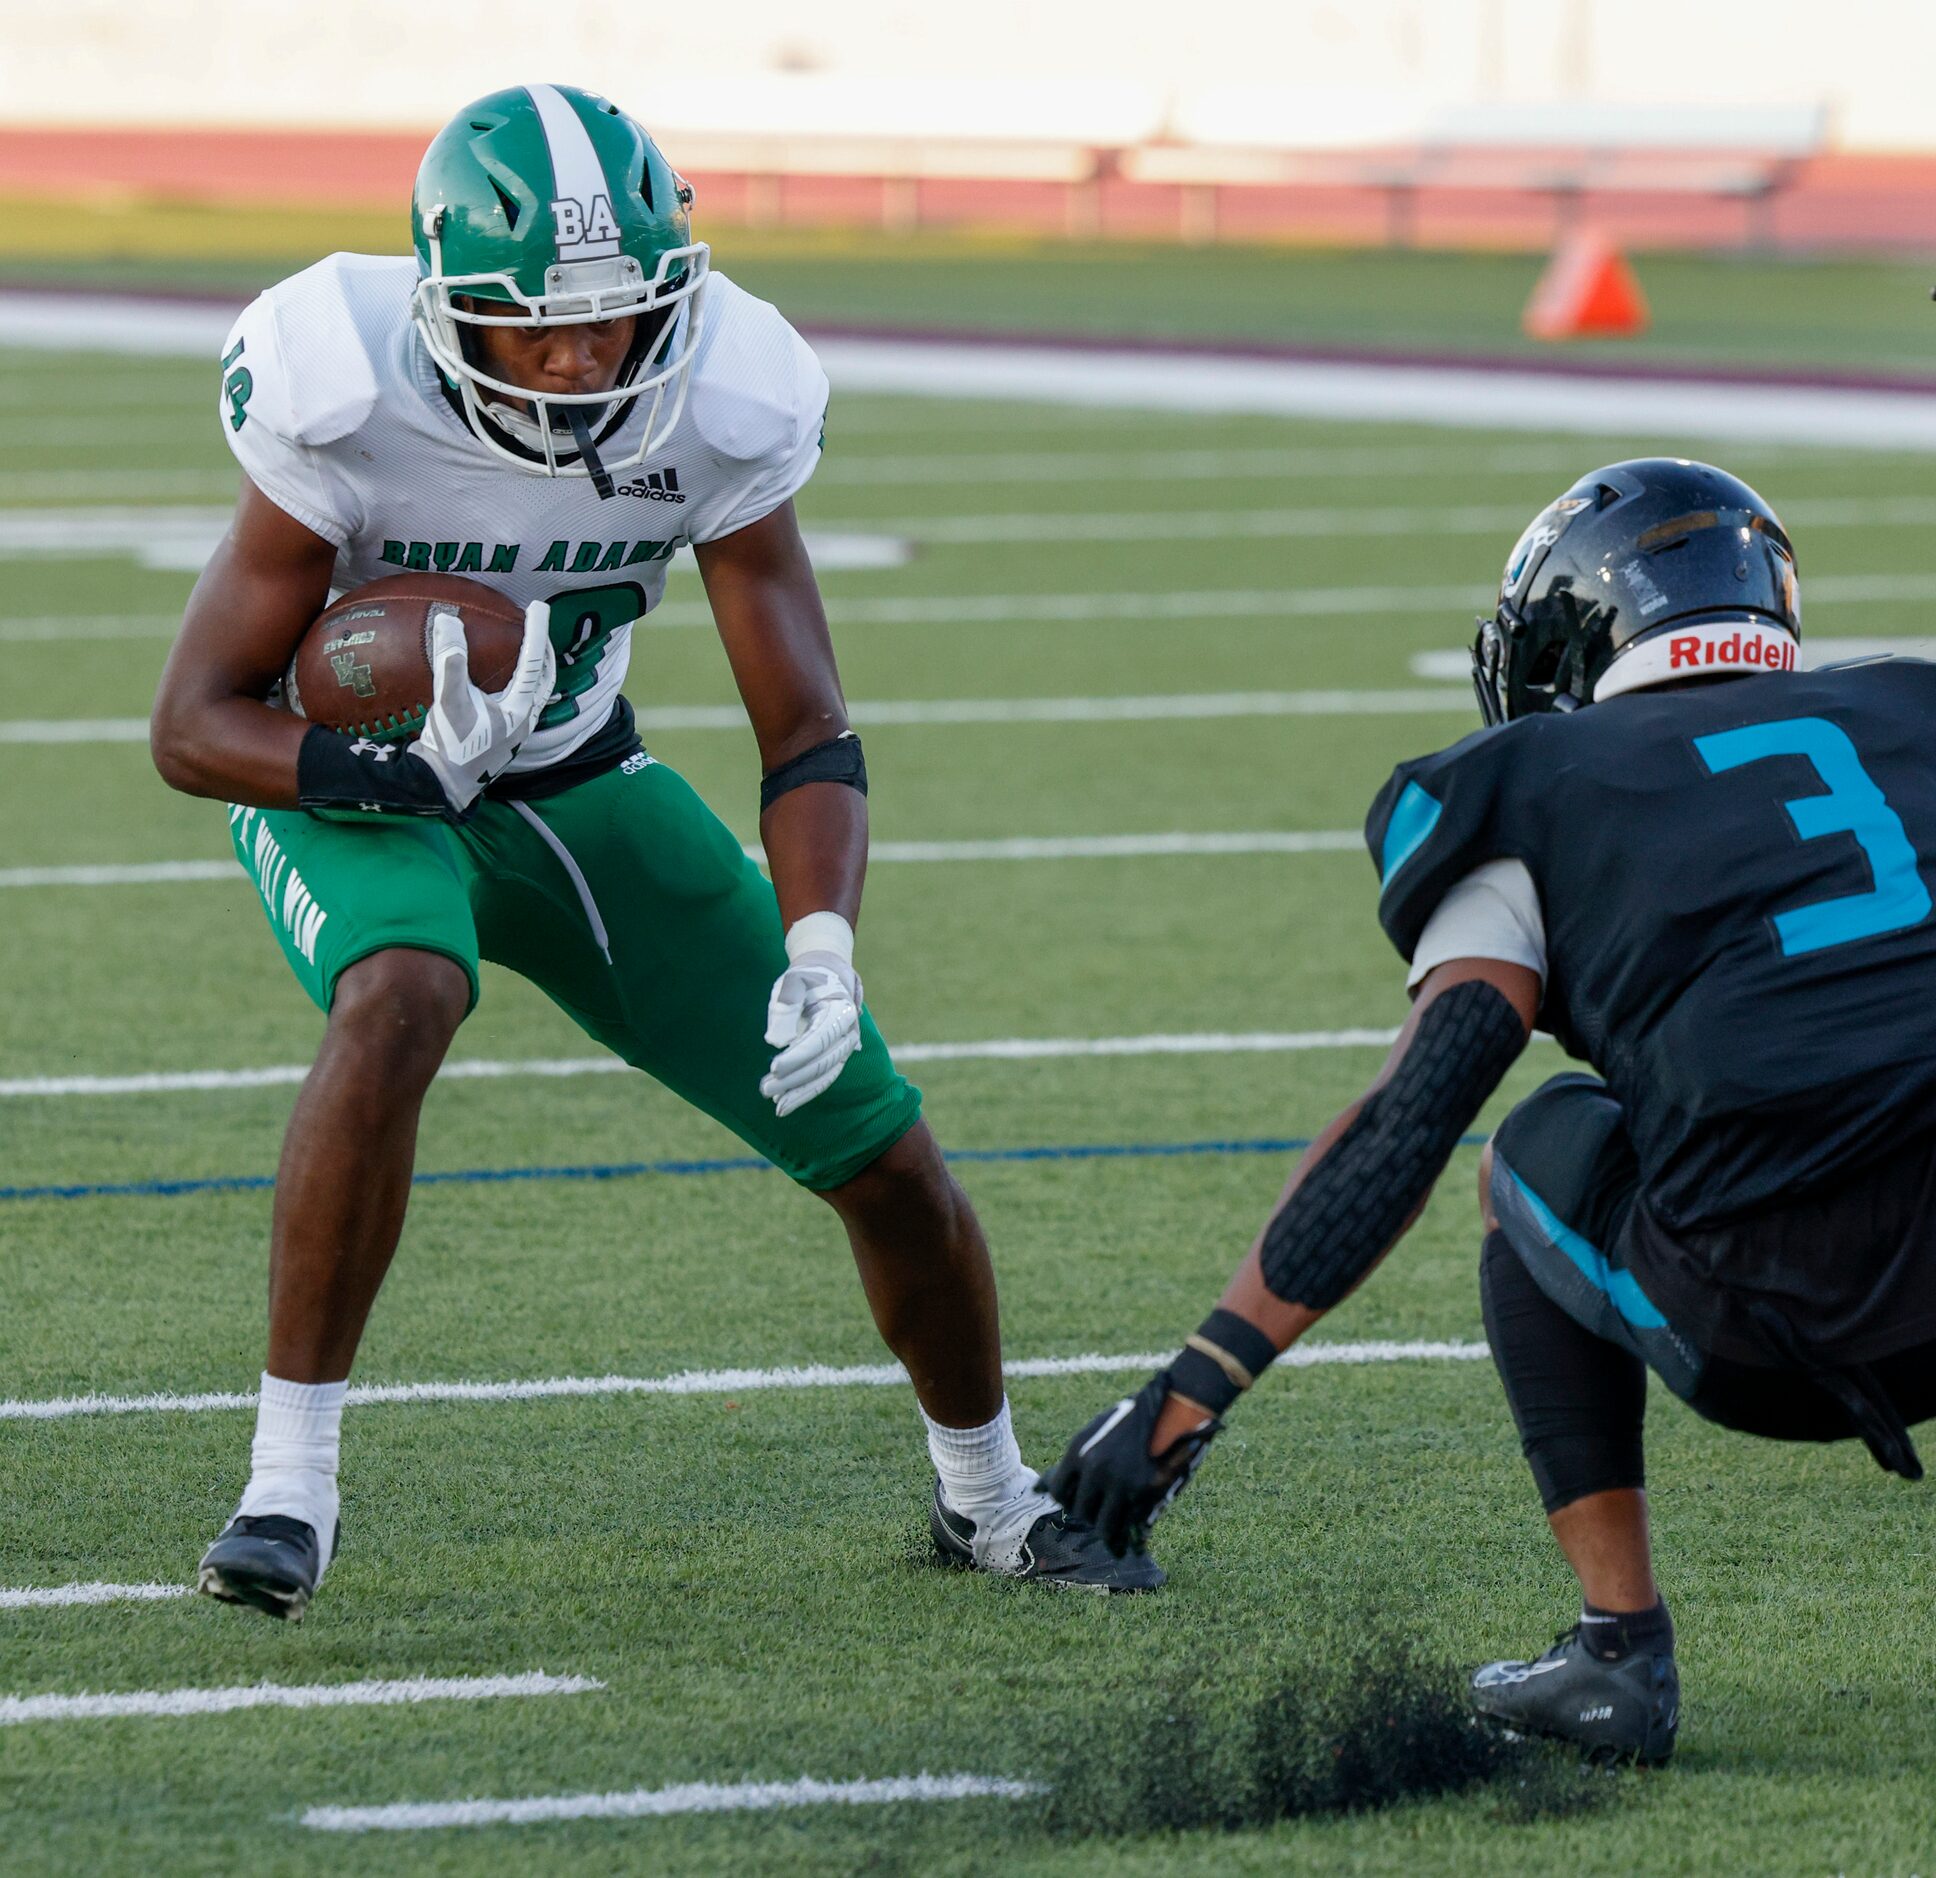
x: 1736, y: 886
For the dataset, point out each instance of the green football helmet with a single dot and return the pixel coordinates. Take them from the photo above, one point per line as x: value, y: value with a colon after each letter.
x: 546, y: 204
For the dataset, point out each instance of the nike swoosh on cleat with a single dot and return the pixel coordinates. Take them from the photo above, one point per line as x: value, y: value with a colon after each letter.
x: 1509, y: 1675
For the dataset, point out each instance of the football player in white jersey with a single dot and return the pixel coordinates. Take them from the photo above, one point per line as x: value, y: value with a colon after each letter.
x: 552, y: 396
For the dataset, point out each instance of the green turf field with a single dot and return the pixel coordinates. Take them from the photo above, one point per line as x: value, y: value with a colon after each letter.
x: 746, y: 1572
x: 1738, y: 310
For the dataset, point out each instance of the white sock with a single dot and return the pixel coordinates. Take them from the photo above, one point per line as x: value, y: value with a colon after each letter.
x: 298, y: 1437
x: 982, y: 1470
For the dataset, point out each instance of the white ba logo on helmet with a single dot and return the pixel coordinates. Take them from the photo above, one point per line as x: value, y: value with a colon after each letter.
x: 585, y: 235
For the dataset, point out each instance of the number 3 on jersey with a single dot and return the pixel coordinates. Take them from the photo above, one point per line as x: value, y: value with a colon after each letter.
x: 1853, y: 806
x: 583, y: 620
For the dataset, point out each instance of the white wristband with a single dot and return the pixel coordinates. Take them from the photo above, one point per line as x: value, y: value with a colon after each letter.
x: 821, y: 932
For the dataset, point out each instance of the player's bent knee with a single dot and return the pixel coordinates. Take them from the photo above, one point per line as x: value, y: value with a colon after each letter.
x: 910, y: 1180
x: 396, y: 1011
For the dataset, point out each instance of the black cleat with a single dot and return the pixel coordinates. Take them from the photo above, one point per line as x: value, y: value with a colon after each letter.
x: 1058, y: 1549
x: 267, y: 1561
x: 1616, y: 1712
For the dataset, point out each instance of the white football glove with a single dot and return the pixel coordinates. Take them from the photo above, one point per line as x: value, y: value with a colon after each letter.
x: 813, y: 1016
x: 469, y: 736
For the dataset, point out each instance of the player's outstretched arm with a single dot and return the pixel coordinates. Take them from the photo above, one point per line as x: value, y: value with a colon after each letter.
x: 211, y: 733
x: 813, y: 792
x: 1355, y: 1193
x: 766, y: 603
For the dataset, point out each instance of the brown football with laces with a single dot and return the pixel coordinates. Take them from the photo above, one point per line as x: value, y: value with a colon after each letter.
x: 364, y: 667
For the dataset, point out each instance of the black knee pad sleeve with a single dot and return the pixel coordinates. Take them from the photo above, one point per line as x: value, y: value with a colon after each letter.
x: 1356, y: 1200
x: 1579, y: 1402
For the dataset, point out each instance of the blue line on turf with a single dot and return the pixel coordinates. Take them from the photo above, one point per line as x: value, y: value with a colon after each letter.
x: 632, y: 1170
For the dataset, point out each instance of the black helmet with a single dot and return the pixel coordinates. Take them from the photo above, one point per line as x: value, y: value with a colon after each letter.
x: 1643, y: 573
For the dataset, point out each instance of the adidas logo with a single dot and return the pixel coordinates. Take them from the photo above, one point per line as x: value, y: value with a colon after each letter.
x: 655, y: 486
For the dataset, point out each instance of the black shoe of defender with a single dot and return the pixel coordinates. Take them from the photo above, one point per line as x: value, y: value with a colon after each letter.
x: 1057, y: 1550
x: 268, y: 1562
x: 1616, y: 1712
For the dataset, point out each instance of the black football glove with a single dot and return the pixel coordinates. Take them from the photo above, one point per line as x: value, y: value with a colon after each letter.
x: 1109, y: 1479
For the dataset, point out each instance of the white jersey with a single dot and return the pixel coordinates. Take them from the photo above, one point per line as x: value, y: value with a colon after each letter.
x: 335, y: 411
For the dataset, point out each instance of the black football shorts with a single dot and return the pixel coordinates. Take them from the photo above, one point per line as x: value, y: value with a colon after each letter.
x: 1566, y: 1190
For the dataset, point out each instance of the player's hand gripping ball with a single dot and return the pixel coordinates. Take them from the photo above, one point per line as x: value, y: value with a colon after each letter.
x: 470, y: 736
x: 1108, y: 1476
x: 446, y: 665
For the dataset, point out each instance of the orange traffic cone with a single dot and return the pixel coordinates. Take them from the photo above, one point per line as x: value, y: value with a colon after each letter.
x: 1587, y: 291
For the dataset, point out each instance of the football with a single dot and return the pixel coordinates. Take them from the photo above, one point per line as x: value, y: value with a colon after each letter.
x: 364, y: 667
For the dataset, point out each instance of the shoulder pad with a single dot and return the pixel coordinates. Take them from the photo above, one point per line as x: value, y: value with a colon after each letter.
x: 757, y: 390
x: 306, y: 345
x: 1437, y: 819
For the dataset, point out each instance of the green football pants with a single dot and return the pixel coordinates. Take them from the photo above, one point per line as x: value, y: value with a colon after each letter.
x: 626, y: 901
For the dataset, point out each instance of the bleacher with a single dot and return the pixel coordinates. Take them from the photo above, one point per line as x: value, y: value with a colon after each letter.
x: 1494, y: 172
x: 1110, y: 159
x: 1113, y: 159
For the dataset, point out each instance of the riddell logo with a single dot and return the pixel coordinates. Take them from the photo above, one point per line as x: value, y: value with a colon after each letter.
x: 1691, y: 653
x: 655, y: 486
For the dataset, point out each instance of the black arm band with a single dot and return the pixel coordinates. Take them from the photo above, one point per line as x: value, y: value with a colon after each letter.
x: 1227, y: 1354
x: 837, y: 760
x: 344, y: 779
x: 1346, y: 1212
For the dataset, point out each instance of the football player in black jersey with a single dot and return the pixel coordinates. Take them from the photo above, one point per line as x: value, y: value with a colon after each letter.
x: 1713, y: 886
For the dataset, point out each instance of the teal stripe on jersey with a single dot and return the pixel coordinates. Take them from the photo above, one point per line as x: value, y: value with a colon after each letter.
x: 1410, y: 827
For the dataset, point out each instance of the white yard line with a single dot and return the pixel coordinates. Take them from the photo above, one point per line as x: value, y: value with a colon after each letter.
x: 1159, y: 527
x: 1132, y: 710
x: 861, y: 469
x: 1211, y: 603
x: 749, y: 1796
x: 718, y: 1381
x: 74, y: 730
x: 164, y: 536
x: 1014, y: 848
x: 981, y: 609
x: 474, y: 1069
x: 16, y: 1709
x: 51, y: 627
x: 1862, y: 589
x: 910, y: 421
x: 128, y: 874
x: 1454, y: 396
x: 1005, y: 609
x: 76, y: 322
x: 1265, y: 462
x: 50, y: 1597
x: 1161, y: 707
x: 180, y: 539
x: 849, y: 470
